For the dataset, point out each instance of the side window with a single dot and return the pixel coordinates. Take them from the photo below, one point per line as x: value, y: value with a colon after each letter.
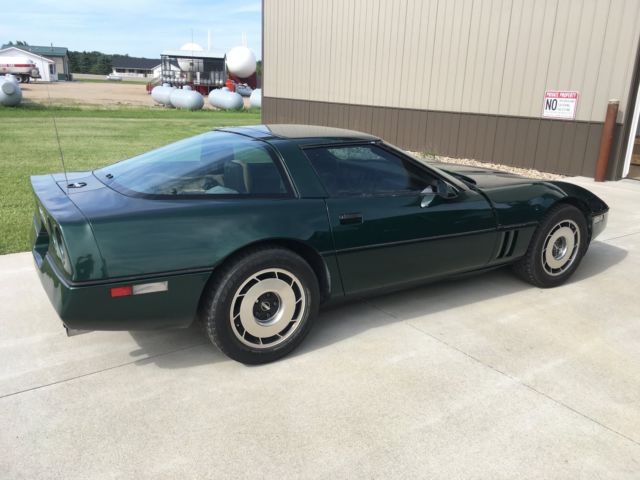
x: 247, y: 171
x: 262, y: 176
x: 359, y: 170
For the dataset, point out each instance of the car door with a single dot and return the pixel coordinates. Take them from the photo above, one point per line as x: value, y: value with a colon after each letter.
x: 390, y: 225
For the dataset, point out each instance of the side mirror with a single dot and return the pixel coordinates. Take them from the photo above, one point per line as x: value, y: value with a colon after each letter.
x: 443, y: 190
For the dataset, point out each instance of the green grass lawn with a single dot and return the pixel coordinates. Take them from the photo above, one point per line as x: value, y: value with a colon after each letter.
x: 90, y: 138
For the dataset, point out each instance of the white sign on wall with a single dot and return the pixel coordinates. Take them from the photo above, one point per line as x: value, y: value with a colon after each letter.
x: 560, y: 104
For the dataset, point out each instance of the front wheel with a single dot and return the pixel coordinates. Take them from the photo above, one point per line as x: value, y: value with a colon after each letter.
x: 556, y: 248
x: 261, y: 306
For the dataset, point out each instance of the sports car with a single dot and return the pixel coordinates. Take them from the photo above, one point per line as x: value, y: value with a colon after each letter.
x: 250, y: 230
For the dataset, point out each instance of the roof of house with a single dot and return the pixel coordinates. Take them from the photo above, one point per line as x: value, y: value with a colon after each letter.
x: 135, y: 62
x: 193, y: 54
x: 46, y: 51
x: 13, y: 47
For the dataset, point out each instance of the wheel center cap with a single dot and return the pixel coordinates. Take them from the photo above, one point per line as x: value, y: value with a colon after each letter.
x: 266, y: 307
x: 559, y: 248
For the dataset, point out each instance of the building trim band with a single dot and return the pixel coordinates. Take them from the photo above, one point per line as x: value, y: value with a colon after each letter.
x: 557, y: 146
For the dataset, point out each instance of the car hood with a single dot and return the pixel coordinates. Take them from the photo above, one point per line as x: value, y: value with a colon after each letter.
x: 483, y: 178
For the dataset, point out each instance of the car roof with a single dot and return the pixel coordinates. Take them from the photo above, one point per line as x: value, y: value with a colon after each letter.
x: 306, y: 133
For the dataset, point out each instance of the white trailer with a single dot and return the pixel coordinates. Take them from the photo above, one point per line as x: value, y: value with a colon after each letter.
x: 23, y: 68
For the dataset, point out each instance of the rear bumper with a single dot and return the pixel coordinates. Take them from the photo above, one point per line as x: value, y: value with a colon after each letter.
x: 90, y: 306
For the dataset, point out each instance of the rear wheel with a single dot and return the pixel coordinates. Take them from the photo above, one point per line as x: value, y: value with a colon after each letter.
x: 556, y: 248
x: 19, y: 78
x: 261, y: 306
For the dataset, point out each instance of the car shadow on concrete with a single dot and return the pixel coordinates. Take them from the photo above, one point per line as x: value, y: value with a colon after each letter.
x: 190, y: 347
x: 177, y: 348
x: 343, y: 321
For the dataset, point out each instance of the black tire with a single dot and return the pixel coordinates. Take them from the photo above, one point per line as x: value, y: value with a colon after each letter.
x: 19, y: 78
x: 229, y: 296
x: 561, y: 223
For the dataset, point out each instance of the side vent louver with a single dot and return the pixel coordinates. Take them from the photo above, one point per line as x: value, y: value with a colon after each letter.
x: 508, y: 244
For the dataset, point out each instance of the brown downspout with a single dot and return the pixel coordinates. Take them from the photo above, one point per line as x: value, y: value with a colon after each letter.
x: 606, y: 140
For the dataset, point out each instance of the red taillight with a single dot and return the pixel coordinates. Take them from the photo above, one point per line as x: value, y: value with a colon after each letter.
x: 125, y: 291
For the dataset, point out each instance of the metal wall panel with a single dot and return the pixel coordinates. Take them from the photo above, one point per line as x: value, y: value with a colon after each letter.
x: 471, y: 56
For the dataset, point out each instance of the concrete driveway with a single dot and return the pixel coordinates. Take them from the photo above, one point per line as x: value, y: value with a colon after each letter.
x: 485, y: 377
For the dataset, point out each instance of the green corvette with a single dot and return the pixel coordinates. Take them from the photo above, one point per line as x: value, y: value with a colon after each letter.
x: 251, y: 230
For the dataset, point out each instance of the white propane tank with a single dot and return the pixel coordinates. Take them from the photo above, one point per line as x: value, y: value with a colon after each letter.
x: 225, y: 100
x: 255, y: 100
x: 241, y: 62
x: 191, y: 64
x: 11, y: 78
x: 186, y: 99
x: 10, y: 93
x: 162, y: 94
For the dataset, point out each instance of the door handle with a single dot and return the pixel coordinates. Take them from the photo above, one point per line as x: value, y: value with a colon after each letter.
x: 350, y: 218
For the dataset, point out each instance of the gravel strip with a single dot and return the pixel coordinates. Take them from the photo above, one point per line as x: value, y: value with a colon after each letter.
x: 526, y: 172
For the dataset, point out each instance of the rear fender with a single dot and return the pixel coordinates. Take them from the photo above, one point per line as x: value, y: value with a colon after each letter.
x: 61, y: 232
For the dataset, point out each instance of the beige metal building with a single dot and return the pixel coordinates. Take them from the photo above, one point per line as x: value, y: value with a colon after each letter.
x: 462, y: 78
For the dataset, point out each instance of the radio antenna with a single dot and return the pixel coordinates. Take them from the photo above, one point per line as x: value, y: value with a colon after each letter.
x: 55, y: 128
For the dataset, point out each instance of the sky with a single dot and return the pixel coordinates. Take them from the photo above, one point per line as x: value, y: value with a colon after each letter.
x: 140, y: 28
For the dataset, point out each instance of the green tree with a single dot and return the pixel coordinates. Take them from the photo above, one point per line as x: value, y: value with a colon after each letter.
x: 85, y: 63
x: 103, y: 65
x: 74, y: 63
x: 97, y: 63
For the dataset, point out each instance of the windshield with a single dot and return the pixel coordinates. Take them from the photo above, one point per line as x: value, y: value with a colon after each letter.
x: 214, y: 163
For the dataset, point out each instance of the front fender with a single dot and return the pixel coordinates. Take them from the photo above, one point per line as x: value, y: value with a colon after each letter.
x: 594, y: 204
x: 528, y: 204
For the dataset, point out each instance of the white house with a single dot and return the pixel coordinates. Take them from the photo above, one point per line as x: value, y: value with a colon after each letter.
x: 47, y: 68
x: 138, y: 67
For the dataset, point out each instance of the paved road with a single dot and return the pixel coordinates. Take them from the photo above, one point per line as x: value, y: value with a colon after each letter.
x: 480, y: 378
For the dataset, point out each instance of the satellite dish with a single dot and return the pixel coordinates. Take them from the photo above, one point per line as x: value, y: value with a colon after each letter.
x: 191, y: 47
x: 191, y: 64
